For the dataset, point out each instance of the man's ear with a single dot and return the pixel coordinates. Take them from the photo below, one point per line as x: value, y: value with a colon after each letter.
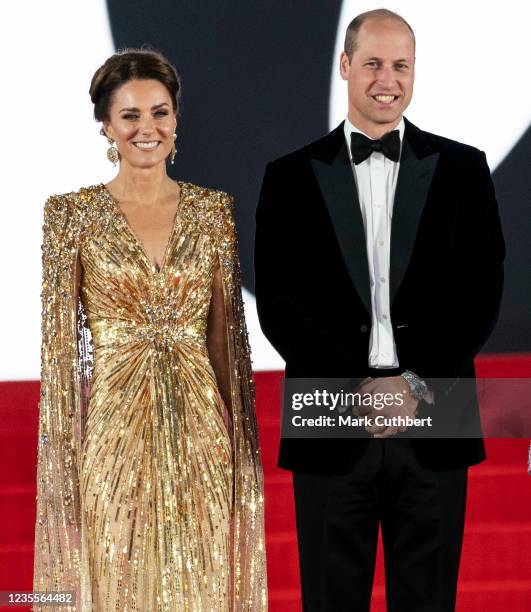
x: 344, y: 65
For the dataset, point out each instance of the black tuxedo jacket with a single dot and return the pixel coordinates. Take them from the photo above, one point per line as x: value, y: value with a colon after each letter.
x: 446, y: 278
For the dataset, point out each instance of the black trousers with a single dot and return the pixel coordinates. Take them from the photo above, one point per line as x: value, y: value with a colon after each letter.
x: 421, y: 512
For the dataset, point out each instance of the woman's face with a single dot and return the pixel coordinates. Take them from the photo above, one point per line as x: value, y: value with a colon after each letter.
x: 142, y: 122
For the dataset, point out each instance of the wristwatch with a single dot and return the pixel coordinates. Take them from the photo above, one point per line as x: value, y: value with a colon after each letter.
x: 418, y: 387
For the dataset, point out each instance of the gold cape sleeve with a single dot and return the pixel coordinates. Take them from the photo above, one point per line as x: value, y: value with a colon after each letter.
x: 249, y: 554
x: 59, y: 563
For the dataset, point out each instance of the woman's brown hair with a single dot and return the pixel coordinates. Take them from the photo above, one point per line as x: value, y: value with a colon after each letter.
x: 127, y: 65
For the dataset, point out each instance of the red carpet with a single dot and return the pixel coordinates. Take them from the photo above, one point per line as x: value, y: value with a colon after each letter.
x: 496, y: 563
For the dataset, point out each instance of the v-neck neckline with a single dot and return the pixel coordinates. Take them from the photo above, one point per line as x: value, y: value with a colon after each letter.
x: 153, y: 267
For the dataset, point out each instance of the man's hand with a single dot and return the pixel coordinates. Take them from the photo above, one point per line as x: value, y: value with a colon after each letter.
x: 395, y: 385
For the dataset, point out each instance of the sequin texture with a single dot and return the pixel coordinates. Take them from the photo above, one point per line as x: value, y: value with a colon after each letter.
x: 149, y: 493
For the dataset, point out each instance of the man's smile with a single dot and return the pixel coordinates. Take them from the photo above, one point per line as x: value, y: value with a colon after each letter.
x: 385, y: 99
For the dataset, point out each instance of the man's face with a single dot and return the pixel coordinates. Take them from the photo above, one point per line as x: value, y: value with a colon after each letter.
x: 380, y: 75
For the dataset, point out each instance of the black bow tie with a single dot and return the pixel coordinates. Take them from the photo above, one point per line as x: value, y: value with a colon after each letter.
x: 361, y: 147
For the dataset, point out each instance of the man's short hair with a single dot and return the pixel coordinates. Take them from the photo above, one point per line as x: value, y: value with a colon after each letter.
x: 355, y: 25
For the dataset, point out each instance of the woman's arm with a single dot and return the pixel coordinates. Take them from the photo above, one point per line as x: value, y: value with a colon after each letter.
x: 217, y: 339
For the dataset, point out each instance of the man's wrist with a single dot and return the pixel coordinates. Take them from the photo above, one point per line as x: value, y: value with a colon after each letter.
x: 418, y: 387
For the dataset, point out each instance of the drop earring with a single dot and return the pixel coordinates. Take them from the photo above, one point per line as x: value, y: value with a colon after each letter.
x: 112, y: 152
x: 173, y: 150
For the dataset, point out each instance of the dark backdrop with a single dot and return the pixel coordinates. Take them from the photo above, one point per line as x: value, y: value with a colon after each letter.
x: 256, y: 83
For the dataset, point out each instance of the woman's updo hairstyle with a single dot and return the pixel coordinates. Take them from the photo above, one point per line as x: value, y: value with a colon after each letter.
x: 127, y: 65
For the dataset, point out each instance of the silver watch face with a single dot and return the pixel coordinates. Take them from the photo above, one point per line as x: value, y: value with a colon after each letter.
x: 418, y: 387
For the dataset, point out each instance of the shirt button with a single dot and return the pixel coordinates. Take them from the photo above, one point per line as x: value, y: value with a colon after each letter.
x: 382, y: 279
x: 364, y: 328
x: 380, y: 242
x: 384, y: 316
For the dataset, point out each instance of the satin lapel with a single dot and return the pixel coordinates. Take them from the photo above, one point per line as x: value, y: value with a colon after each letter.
x: 339, y: 192
x: 414, y: 180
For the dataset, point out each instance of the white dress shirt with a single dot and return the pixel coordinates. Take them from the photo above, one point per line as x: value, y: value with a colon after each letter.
x: 375, y: 180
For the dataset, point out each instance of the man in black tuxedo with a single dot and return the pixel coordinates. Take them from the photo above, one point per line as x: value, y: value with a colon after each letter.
x: 379, y: 256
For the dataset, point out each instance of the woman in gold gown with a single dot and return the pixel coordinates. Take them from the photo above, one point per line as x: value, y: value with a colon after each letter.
x: 149, y: 481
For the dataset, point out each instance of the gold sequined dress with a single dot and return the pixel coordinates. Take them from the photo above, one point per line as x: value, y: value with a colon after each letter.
x: 149, y: 488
